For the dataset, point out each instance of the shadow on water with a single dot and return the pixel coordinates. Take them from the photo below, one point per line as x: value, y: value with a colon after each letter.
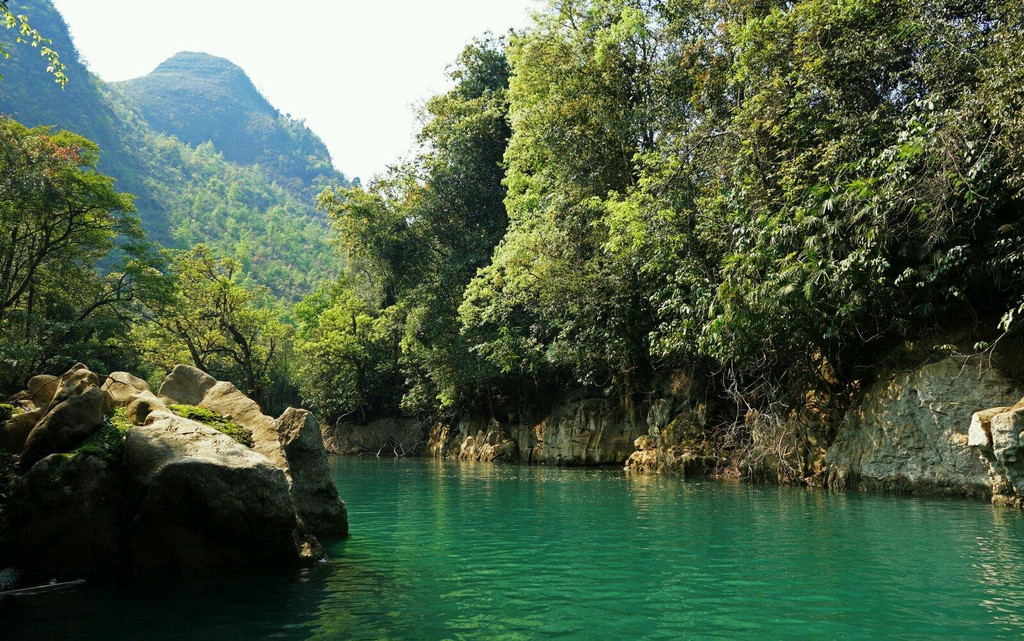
x: 449, y: 550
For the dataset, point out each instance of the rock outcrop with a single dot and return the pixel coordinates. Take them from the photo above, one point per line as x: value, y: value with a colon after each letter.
x: 386, y: 437
x: 909, y: 431
x: 113, y: 480
x: 316, y: 495
x: 996, y: 433
x: 207, y: 501
x: 585, y: 432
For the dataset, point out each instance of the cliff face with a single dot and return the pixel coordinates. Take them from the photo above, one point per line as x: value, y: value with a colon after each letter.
x: 586, y: 432
x: 909, y: 431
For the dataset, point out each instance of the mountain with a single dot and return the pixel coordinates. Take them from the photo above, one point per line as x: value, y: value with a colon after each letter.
x: 207, y: 157
x: 197, y: 97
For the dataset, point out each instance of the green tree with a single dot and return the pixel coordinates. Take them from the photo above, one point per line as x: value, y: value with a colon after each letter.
x: 59, y: 218
x: 218, y: 324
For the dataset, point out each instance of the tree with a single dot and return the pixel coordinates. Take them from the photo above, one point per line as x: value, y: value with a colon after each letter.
x: 32, y: 37
x: 219, y: 324
x: 58, y: 219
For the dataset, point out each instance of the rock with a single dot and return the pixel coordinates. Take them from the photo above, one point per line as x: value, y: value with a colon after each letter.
x: 316, y: 495
x: 42, y: 388
x: 15, y: 431
x: 10, y: 578
x: 74, y: 383
x: 66, y: 517
x: 226, y: 399
x: 407, y: 437
x: 909, y: 431
x: 996, y: 434
x: 65, y: 426
x: 186, y: 385
x: 586, y: 432
x: 123, y: 387
x: 141, y: 406
x: 208, y: 502
x: 671, y: 460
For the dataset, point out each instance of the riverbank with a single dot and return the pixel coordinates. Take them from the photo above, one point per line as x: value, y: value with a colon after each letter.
x: 920, y: 427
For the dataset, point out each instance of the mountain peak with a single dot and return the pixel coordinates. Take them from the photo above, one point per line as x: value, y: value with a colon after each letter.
x: 197, y: 63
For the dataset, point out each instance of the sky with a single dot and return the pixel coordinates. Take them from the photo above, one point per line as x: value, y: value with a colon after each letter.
x: 355, y: 71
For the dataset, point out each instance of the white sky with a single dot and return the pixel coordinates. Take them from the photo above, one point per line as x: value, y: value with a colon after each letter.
x: 353, y: 70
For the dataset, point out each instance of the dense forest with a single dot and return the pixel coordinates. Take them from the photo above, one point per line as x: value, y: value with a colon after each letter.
x: 761, y: 197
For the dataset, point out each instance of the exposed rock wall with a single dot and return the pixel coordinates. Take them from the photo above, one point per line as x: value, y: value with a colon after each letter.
x: 909, y: 431
x: 587, y: 432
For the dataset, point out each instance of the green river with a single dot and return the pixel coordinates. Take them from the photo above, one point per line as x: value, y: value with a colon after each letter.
x: 469, y: 551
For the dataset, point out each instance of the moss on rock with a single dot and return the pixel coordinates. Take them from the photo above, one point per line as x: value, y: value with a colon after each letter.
x: 215, y: 420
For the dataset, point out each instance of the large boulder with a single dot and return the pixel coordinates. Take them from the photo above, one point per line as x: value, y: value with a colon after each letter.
x: 42, y: 388
x: 65, y: 426
x: 909, y: 431
x: 123, y: 387
x: 316, y: 495
x: 186, y: 385
x: 66, y: 517
x: 208, y: 502
x: 14, y: 432
x: 141, y: 406
x: 229, y: 401
x: 74, y: 383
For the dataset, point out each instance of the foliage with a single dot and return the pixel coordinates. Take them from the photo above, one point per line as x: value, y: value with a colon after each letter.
x: 387, y: 334
x: 217, y: 323
x: 28, y: 35
x: 58, y: 218
x: 212, y: 419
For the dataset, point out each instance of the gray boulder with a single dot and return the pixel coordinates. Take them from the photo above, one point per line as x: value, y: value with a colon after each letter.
x: 123, y: 386
x: 207, y: 502
x: 186, y: 385
x: 65, y: 426
x: 316, y: 495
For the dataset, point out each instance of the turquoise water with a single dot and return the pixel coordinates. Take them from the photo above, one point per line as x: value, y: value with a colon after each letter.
x: 447, y: 550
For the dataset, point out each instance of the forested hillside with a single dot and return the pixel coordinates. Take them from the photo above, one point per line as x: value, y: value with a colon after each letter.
x: 753, y: 201
x: 228, y: 170
x: 629, y: 198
